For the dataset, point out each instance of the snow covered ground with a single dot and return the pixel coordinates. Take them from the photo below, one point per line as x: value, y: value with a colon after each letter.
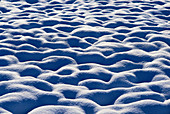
x: 85, y: 56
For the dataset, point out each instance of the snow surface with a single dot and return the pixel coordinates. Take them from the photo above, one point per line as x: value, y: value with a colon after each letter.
x: 85, y: 56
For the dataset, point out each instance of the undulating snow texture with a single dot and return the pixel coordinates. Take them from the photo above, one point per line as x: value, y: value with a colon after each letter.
x: 85, y: 56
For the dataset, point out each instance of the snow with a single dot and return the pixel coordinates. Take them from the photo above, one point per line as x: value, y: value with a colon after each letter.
x: 84, y: 56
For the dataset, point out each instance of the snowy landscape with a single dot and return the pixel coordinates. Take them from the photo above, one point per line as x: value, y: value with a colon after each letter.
x: 84, y: 56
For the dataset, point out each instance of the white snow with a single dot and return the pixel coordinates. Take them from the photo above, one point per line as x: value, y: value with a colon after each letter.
x: 85, y: 56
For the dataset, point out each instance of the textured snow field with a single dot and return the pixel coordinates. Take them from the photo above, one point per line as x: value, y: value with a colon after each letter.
x: 85, y: 56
